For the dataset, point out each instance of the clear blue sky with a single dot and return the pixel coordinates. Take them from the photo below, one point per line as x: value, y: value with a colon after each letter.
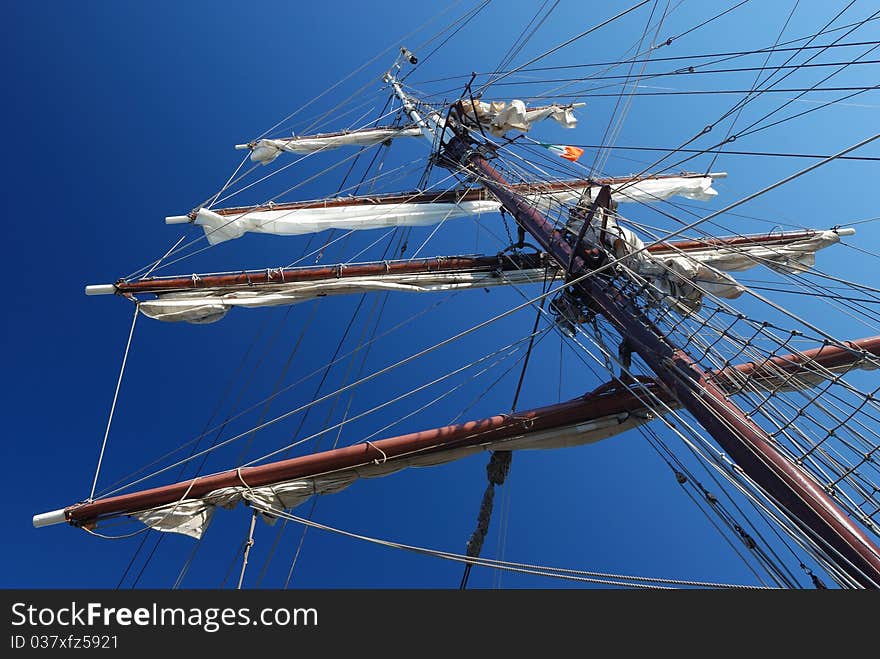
x: 118, y: 114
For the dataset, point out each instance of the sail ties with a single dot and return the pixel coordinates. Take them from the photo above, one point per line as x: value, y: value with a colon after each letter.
x: 376, y: 461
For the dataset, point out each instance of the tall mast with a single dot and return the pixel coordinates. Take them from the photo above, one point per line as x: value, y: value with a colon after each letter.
x: 749, y: 445
x: 681, y: 382
x: 429, y: 130
x: 746, y: 442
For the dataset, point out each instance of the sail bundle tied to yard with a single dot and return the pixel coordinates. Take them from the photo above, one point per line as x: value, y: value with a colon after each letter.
x: 188, y: 507
x: 498, y: 117
x: 680, y: 274
x: 191, y: 517
x: 265, y: 151
x: 680, y: 278
x: 205, y: 306
x: 221, y: 225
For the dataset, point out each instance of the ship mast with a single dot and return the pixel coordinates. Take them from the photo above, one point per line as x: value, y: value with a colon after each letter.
x: 681, y: 382
x: 747, y: 443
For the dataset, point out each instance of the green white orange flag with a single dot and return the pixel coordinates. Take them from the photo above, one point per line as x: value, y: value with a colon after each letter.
x: 568, y: 152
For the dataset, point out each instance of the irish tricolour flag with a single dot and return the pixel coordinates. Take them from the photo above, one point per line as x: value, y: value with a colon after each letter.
x: 568, y: 152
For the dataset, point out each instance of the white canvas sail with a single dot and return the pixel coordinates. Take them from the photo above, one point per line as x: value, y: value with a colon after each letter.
x: 369, y: 215
x: 219, y: 228
x: 498, y: 117
x: 267, y: 150
x: 790, y: 257
x: 191, y: 517
x: 697, y: 188
x: 682, y: 276
x: 206, y: 306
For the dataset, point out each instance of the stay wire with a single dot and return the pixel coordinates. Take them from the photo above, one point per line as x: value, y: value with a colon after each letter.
x: 755, y: 83
x: 464, y: 21
x: 567, y: 42
x: 728, y: 55
x: 113, y: 404
x: 210, y: 420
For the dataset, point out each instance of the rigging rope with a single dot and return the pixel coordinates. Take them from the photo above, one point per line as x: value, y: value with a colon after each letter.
x: 249, y: 543
x: 754, y: 84
x: 499, y: 463
x: 565, y: 43
x: 113, y: 404
x: 726, y: 56
x: 524, y: 568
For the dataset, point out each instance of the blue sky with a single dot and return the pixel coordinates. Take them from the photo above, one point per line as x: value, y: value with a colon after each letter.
x: 122, y: 113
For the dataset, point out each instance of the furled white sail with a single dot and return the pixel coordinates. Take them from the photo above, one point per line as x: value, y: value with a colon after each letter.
x: 682, y: 277
x: 266, y: 150
x: 207, y: 306
x: 370, y: 215
x: 794, y: 256
x: 500, y: 116
x: 219, y: 228
x: 770, y: 377
x: 193, y: 516
x: 698, y: 188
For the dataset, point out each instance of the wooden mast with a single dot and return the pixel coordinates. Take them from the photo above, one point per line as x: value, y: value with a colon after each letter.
x: 747, y: 443
x: 681, y: 382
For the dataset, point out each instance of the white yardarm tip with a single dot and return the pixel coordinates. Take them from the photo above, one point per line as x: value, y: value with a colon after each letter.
x: 242, y: 147
x: 177, y: 219
x: 50, y: 518
x: 717, y: 174
x: 100, y: 289
x: 845, y: 231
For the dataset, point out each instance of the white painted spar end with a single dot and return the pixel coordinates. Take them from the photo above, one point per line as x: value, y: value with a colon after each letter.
x: 50, y: 518
x: 101, y: 289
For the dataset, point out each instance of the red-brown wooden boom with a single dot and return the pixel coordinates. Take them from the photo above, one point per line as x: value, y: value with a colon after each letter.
x: 505, y: 263
x: 605, y: 401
